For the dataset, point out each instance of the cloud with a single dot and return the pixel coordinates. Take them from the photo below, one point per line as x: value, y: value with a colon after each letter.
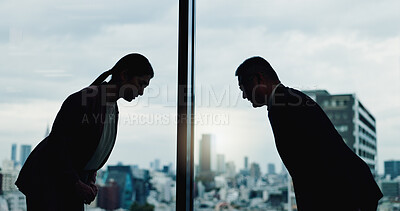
x: 51, y: 49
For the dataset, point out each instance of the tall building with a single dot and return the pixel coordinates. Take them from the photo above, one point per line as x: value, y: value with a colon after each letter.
x: 255, y: 170
x: 108, y: 197
x: 390, y: 188
x: 132, y: 182
x: 353, y: 121
x: 14, y: 153
x: 246, y: 163
x: 221, y: 168
x: 230, y: 169
x: 392, y: 168
x: 271, y: 168
x: 24, y: 153
x: 122, y: 175
x: 207, y: 161
x: 157, y: 164
x: 9, y: 176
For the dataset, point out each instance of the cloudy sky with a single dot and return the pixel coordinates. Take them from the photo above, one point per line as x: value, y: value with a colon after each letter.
x: 50, y: 49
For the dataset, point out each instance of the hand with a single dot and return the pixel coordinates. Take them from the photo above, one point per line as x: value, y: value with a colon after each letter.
x: 86, y: 192
x: 92, y: 177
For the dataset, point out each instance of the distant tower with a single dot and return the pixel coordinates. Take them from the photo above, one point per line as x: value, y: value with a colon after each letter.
x: 246, y: 163
x: 230, y: 169
x: 255, y: 170
x: 271, y: 168
x: 157, y: 164
x: 14, y: 153
x: 207, y: 153
x: 24, y: 153
x: 221, y: 168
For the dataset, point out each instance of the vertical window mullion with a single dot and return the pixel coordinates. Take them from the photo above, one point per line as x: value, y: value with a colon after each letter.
x: 185, y: 125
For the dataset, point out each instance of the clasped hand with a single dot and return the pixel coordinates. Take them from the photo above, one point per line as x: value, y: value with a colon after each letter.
x: 86, y: 192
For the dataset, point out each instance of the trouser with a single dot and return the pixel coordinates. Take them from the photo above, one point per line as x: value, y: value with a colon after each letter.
x: 54, y: 198
x: 35, y: 204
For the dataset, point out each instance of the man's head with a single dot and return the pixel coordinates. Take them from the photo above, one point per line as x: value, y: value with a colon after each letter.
x: 256, y: 80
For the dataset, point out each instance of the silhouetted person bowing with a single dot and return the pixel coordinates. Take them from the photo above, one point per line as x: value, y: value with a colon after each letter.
x: 327, y: 175
x: 60, y: 172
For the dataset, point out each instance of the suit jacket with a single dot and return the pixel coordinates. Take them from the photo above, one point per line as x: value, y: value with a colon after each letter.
x: 59, y: 159
x: 326, y: 173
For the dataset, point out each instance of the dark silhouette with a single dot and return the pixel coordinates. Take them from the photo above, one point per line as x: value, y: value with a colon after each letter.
x: 327, y: 175
x: 60, y: 173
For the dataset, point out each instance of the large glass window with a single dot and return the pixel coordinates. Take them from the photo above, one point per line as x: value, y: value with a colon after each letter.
x: 316, y: 46
x: 191, y: 142
x: 51, y: 49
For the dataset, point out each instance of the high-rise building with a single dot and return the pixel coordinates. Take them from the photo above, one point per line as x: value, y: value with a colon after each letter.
x: 392, y: 168
x: 157, y: 164
x: 271, y: 168
x: 9, y: 175
x: 14, y: 153
x: 221, y: 163
x: 108, y: 197
x: 390, y: 188
x: 255, y: 170
x: 246, y: 163
x: 353, y: 121
x: 207, y: 161
x: 230, y: 169
x: 122, y: 175
x: 24, y: 153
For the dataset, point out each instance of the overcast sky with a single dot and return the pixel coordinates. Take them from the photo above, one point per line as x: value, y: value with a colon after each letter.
x: 50, y: 49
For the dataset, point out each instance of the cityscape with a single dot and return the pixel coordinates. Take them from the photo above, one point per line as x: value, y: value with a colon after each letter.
x: 221, y: 184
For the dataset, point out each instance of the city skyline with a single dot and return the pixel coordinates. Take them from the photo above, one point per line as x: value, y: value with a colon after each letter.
x: 344, y: 50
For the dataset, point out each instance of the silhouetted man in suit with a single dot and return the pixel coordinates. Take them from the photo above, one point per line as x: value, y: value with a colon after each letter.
x: 326, y: 174
x: 60, y: 173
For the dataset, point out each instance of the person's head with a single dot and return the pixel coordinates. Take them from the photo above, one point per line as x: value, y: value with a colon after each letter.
x: 256, y: 80
x: 131, y: 75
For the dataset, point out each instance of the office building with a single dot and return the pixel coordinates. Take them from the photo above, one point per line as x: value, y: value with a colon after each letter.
x: 392, y: 168
x: 157, y: 164
x: 390, y: 188
x: 271, y: 168
x: 353, y: 121
x: 108, y: 197
x: 221, y: 163
x: 14, y: 153
x: 246, y: 163
x: 255, y: 170
x: 230, y: 169
x: 9, y: 176
x: 15, y: 200
x: 122, y: 175
x: 24, y: 153
x: 207, y: 159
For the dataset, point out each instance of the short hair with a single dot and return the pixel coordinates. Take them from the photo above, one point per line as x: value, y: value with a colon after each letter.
x: 254, y: 65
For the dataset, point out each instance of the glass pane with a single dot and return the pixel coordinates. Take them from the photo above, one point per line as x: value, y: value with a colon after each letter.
x: 314, y: 46
x: 51, y: 49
